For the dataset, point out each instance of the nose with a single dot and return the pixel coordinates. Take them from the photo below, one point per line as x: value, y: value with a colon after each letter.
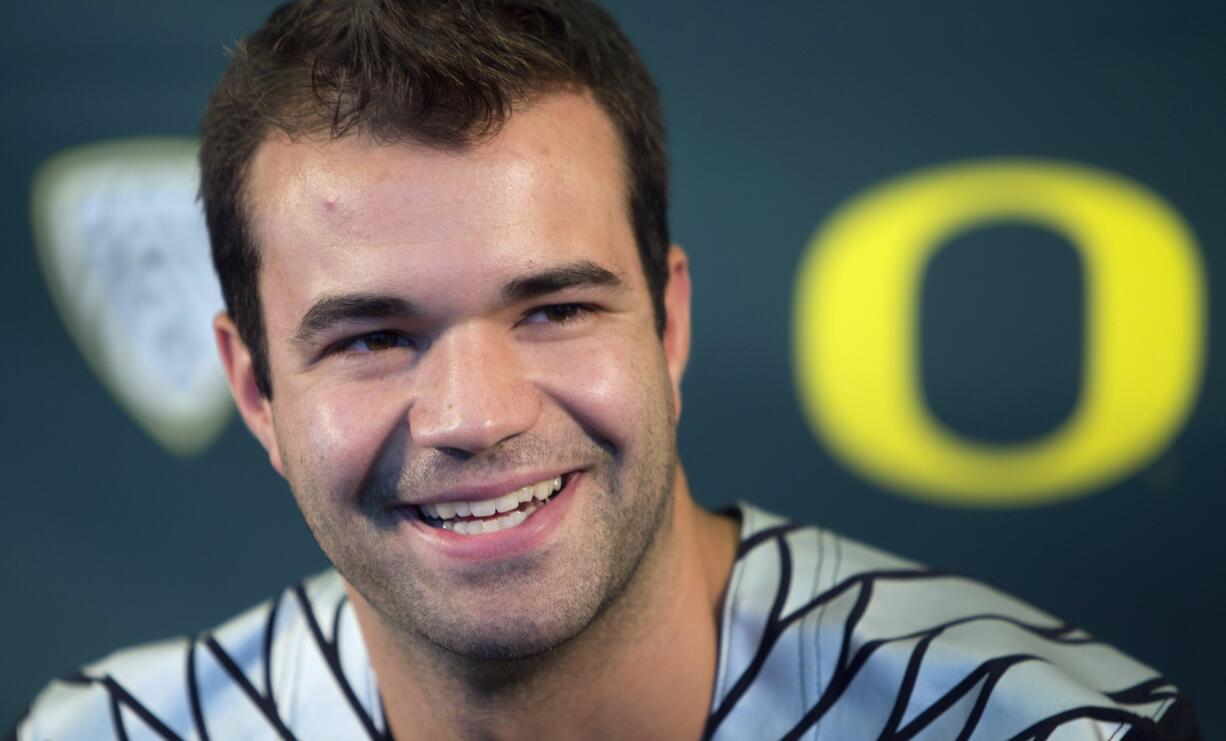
x: 471, y: 393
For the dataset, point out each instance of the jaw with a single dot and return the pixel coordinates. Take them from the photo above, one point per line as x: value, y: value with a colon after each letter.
x: 532, y: 604
x: 659, y: 616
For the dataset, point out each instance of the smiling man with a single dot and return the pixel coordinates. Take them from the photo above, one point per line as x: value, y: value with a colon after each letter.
x: 456, y: 324
x: 472, y: 405
x: 469, y: 397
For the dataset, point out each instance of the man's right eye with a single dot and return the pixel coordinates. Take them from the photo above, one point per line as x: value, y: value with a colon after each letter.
x: 374, y: 342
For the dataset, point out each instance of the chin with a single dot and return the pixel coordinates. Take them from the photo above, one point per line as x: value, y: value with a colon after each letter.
x: 504, y: 637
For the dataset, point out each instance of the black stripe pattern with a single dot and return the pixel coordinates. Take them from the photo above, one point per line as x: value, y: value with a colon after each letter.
x: 277, y: 671
x: 826, y: 638
x: 820, y: 637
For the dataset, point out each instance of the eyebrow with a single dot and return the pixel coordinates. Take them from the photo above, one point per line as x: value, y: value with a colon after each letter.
x: 578, y: 274
x: 332, y: 310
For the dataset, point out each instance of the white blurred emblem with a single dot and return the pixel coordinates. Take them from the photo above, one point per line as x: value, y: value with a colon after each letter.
x: 122, y: 243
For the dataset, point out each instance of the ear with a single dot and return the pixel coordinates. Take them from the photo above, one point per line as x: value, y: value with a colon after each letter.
x: 677, y: 320
x: 255, y: 408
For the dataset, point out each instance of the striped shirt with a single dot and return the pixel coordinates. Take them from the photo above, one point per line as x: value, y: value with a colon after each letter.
x: 820, y: 638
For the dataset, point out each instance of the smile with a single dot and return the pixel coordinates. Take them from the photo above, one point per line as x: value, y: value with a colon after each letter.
x: 491, y: 515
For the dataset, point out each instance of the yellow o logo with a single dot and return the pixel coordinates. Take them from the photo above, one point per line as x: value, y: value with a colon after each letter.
x: 856, y: 320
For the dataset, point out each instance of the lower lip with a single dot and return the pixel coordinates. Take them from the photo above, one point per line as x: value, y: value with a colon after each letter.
x: 526, y: 536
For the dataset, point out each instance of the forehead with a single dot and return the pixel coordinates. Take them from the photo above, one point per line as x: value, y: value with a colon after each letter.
x: 548, y: 185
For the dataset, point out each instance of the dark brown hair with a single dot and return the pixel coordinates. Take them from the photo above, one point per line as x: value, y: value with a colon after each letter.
x: 444, y: 73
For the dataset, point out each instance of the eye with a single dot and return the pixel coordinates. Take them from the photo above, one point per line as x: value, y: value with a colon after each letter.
x: 375, y: 342
x: 557, y: 314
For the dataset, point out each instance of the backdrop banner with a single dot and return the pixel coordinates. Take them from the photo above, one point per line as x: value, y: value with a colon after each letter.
x: 955, y: 267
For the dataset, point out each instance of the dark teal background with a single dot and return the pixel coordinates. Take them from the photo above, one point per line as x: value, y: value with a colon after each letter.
x: 778, y: 114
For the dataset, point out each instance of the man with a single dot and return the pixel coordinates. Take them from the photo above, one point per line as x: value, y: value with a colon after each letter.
x: 455, y: 322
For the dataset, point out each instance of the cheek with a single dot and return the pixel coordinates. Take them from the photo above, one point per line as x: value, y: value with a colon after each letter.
x: 612, y: 389
x: 340, y: 432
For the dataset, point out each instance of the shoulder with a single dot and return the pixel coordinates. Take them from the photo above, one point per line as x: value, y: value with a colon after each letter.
x: 824, y: 636
x: 259, y: 675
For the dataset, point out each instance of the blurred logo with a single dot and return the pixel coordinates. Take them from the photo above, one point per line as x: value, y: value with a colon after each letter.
x: 856, y: 319
x: 123, y: 246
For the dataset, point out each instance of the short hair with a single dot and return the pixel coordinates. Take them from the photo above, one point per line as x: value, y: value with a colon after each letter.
x: 444, y: 73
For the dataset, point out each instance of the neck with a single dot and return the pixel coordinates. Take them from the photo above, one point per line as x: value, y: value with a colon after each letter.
x: 644, y: 667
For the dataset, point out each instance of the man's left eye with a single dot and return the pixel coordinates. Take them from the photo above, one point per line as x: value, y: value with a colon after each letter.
x: 375, y: 342
x: 557, y: 314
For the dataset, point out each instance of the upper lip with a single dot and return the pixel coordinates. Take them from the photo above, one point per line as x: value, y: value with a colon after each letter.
x: 479, y: 491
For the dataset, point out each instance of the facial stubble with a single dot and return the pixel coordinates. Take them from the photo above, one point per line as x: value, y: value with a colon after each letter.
x: 512, y: 610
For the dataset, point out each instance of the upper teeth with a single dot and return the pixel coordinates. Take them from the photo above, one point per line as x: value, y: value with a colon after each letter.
x: 488, y: 507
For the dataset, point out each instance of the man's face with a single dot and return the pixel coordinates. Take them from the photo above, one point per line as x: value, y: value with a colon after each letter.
x: 447, y: 328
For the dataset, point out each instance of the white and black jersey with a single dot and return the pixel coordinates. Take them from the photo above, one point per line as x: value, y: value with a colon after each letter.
x: 820, y: 638
x: 825, y: 638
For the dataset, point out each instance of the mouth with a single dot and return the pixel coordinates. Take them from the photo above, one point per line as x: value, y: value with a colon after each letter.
x: 492, y: 515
